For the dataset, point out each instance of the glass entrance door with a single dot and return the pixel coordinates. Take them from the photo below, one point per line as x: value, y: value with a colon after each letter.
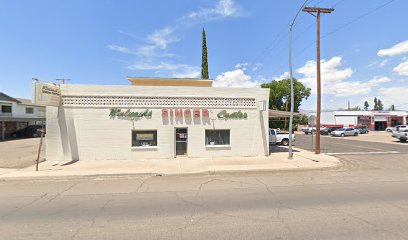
x: 181, y: 141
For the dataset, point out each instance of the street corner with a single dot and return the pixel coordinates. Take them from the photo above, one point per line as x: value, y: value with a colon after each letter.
x: 307, y: 160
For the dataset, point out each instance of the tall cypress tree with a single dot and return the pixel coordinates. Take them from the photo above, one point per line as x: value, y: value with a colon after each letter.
x: 204, y: 60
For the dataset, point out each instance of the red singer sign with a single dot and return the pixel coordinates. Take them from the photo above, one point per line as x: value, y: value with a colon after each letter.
x: 186, y: 112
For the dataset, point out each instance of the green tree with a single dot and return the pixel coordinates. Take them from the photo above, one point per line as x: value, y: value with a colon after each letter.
x: 380, y: 105
x: 204, y: 60
x: 392, y: 107
x: 303, y: 120
x: 279, y: 96
x: 366, y: 106
x: 375, y: 104
x: 356, y: 108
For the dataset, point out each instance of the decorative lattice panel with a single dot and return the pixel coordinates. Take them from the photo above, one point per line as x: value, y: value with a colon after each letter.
x: 132, y: 101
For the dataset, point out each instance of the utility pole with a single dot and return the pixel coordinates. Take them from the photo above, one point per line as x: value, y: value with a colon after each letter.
x: 63, y: 80
x: 318, y: 11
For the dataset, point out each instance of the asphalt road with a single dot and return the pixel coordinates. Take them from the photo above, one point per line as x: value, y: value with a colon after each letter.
x: 366, y: 198
x: 345, y: 145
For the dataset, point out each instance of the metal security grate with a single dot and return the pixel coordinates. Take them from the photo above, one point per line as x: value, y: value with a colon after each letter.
x: 132, y: 101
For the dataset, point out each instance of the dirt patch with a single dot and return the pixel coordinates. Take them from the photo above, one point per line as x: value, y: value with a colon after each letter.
x: 20, y: 153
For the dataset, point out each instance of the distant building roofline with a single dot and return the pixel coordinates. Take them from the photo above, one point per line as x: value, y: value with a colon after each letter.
x: 5, y: 96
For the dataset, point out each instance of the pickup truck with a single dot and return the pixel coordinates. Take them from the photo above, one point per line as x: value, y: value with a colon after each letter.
x: 308, y: 130
x: 276, y: 137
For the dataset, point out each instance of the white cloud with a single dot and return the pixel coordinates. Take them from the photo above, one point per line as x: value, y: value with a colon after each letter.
x: 285, y: 75
x: 378, y: 80
x: 397, y: 49
x: 151, y: 55
x: 223, y: 9
x: 162, y: 38
x: 396, y: 95
x: 382, y: 63
x: 402, y: 69
x: 335, y: 80
x: 121, y: 49
x: 241, y: 66
x: 173, y: 69
x: 330, y: 76
x: 235, y: 78
x: 256, y: 66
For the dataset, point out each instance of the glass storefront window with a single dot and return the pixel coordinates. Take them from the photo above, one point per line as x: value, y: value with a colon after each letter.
x: 217, y: 137
x: 144, y: 138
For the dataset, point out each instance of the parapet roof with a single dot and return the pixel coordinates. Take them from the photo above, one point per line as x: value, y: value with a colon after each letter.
x: 155, y: 81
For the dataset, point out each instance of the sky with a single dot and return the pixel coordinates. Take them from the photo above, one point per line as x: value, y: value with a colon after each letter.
x: 364, y: 45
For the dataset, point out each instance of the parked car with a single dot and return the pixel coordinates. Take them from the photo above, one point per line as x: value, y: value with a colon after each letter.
x: 342, y: 132
x: 327, y: 131
x: 390, y: 129
x: 29, y: 131
x: 279, y: 138
x: 402, y: 135
x: 394, y: 134
x: 308, y: 130
x: 402, y: 127
x: 396, y: 128
x: 363, y: 130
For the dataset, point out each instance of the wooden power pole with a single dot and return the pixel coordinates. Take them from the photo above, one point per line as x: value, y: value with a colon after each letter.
x: 316, y: 11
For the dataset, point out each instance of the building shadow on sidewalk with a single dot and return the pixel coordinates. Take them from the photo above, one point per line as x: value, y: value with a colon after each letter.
x: 69, y: 163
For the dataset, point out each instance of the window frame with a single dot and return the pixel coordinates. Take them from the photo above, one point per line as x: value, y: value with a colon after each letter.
x: 146, y: 131
x: 10, y: 106
x: 217, y: 145
x: 29, y: 112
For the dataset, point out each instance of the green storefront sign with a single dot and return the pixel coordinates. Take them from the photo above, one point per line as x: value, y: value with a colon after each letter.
x: 234, y: 115
x: 118, y: 113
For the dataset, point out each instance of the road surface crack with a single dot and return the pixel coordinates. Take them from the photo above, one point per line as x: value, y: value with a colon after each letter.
x: 62, y: 192
x: 23, y: 206
x: 101, y: 210
x: 216, y: 179
x: 141, y: 185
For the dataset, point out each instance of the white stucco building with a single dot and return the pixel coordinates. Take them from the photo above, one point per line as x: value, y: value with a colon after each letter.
x: 157, y: 118
x: 374, y: 120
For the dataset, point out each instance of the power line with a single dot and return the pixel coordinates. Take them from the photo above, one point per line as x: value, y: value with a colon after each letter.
x: 337, y: 3
x: 346, y: 25
x: 358, y: 18
x: 275, y: 42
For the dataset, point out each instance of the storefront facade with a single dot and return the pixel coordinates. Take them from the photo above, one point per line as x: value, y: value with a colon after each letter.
x: 373, y: 120
x: 143, y: 122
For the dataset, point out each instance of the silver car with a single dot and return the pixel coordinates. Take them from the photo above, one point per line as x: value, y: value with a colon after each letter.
x: 401, y: 135
x: 342, y: 132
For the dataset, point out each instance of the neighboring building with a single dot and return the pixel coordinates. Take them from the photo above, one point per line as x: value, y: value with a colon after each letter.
x: 157, y: 118
x: 18, y: 113
x: 374, y: 120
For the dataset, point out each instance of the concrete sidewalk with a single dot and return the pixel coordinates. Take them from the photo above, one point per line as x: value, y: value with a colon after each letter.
x: 276, y: 161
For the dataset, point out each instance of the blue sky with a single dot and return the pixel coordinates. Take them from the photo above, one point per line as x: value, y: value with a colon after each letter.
x: 364, y: 44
